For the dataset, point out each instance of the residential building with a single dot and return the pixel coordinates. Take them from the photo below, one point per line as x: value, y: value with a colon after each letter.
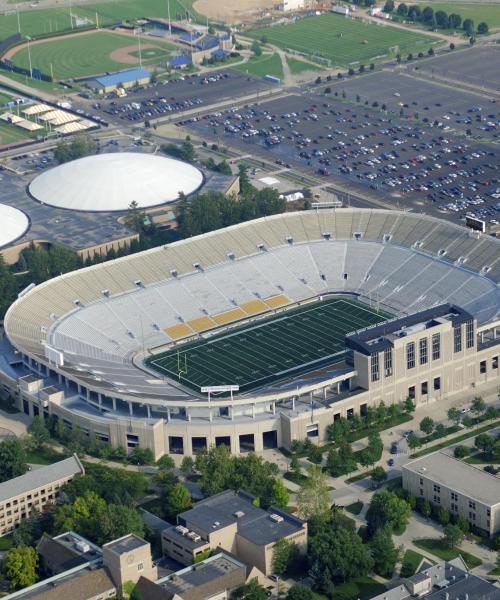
x: 231, y: 521
x: 444, y: 581
x: 464, y: 489
x: 34, y: 490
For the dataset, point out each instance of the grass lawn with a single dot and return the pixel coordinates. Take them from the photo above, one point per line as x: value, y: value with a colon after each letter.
x: 456, y: 440
x: 299, y: 66
x: 8, y: 135
x: 411, y: 561
x: 80, y: 56
x: 343, y: 41
x: 495, y: 571
x: 436, y: 547
x: 52, y: 20
x: 355, y: 508
x: 268, y: 64
x: 5, y: 543
x: 4, y: 98
x: 361, y: 587
x: 44, y: 456
x: 297, y: 478
x: 45, y: 86
x: 488, y: 12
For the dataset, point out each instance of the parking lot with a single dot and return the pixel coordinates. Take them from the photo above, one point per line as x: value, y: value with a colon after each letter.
x: 427, y: 101
x: 183, y: 93
x: 412, y: 164
x: 479, y: 66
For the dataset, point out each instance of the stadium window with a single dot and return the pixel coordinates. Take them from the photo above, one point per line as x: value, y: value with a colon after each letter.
x: 357, y: 235
x: 224, y: 411
x: 469, y: 334
x: 410, y: 355
x: 344, y: 275
x: 457, y: 337
x: 482, y: 367
x: 494, y: 362
x: 436, y: 346
x: 337, y: 417
x: 423, y: 351
x: 175, y: 444
x: 350, y: 413
x: 363, y: 409
x: 375, y: 367
x: 411, y: 392
x: 424, y: 388
x: 388, y: 362
x: 437, y: 384
x: 312, y: 431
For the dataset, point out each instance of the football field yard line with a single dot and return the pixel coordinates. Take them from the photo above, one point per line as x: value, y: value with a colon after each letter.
x: 275, y: 346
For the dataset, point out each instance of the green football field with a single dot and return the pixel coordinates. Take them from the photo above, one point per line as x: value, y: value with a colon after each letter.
x: 294, y: 342
x: 53, y: 20
x: 343, y: 40
x: 83, y: 55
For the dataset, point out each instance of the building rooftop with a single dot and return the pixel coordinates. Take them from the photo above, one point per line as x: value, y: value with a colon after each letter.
x: 125, y: 544
x: 456, y: 474
x: 123, y: 76
x: 259, y: 526
x: 39, y: 477
x: 66, y: 551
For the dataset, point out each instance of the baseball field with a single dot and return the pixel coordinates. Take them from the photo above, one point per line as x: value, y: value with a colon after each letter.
x: 343, y: 40
x: 89, y: 54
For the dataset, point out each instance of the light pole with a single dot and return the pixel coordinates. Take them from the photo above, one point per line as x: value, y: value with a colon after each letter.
x: 29, y: 56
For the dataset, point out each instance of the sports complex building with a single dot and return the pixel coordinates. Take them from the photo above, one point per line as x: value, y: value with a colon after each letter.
x: 261, y: 333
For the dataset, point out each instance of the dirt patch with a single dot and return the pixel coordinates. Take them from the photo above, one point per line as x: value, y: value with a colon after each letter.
x: 124, y: 56
x: 232, y: 12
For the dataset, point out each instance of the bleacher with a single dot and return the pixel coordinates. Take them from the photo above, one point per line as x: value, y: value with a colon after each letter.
x: 113, y: 310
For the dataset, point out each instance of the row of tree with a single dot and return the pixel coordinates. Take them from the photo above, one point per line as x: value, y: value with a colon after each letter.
x: 438, y: 19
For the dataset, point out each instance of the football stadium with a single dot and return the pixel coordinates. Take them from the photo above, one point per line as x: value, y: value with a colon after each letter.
x: 261, y: 333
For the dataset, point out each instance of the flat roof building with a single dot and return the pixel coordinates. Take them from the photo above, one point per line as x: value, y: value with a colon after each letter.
x: 34, y: 490
x: 124, y: 79
x: 231, y: 521
x: 462, y: 488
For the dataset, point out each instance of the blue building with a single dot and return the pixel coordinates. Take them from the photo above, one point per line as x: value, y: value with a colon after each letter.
x: 125, y: 79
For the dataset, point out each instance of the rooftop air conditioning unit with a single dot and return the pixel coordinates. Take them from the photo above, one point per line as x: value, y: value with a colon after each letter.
x: 276, y: 518
x: 82, y: 546
x: 238, y: 514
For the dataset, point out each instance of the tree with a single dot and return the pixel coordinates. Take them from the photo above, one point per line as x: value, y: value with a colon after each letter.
x: 166, y: 462
x: 141, y: 456
x: 386, y: 509
x: 299, y: 592
x: 468, y: 26
x: 388, y: 6
x: 334, y: 464
x: 427, y: 425
x: 187, y: 465
x: 413, y: 441
x: 409, y: 405
x: 428, y: 14
x: 281, y: 497
x: 312, y: 498
x: 384, y: 553
x: 177, y: 500
x: 315, y: 455
x: 441, y: 19
x: 12, y: 459
x: 453, y: 536
x: 19, y: 567
x: 454, y: 21
x: 346, y: 456
x: 256, y: 48
x: 443, y: 515
x: 135, y: 218
x: 378, y: 476
x: 485, y: 443
x: 426, y: 509
x: 482, y: 28
x: 461, y: 451
x: 8, y: 287
x: 115, y: 521
x: 250, y: 591
x: 339, y: 551
x: 337, y: 431
x: 402, y: 10
x: 285, y: 555
x: 478, y: 406
x: 39, y: 431
x: 453, y: 415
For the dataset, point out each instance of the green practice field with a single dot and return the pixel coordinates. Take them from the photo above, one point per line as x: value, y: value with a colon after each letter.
x: 343, y: 40
x: 53, y: 20
x: 294, y: 342
x: 82, y: 55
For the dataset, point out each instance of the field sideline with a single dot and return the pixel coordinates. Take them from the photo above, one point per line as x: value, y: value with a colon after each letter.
x: 297, y: 341
x: 343, y: 40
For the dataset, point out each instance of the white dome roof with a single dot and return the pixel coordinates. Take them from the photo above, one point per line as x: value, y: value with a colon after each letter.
x: 13, y: 224
x: 110, y: 182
